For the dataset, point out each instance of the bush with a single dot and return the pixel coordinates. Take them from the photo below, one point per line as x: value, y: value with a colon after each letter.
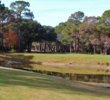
x: 13, y: 51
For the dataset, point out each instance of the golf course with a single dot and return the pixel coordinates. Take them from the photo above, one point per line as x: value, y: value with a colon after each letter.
x: 55, y: 50
x: 18, y: 84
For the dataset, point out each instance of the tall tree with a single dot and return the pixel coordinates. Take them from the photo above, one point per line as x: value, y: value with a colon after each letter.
x: 106, y: 17
x: 60, y: 27
x: 69, y: 35
x: 30, y: 33
x: 2, y: 9
x: 50, y: 38
x: 87, y: 32
x: 11, y: 39
x: 77, y: 17
x: 21, y: 11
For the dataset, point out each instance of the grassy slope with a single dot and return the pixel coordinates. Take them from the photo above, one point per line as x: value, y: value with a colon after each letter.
x: 20, y: 85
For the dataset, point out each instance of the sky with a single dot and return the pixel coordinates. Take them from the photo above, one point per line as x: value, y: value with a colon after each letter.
x: 52, y: 12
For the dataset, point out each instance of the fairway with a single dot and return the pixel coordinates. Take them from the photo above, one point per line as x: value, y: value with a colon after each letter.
x: 64, y: 63
x: 63, y: 58
x: 21, y: 85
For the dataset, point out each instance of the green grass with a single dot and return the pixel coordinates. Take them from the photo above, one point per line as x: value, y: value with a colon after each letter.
x: 63, y: 58
x: 81, y: 63
x: 21, y: 85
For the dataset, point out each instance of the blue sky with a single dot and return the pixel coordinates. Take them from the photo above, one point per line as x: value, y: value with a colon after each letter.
x: 52, y: 12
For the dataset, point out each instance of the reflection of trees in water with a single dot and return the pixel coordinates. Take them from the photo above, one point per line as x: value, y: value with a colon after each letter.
x: 8, y: 58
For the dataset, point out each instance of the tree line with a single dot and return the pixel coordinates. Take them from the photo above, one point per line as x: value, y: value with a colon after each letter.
x: 80, y: 33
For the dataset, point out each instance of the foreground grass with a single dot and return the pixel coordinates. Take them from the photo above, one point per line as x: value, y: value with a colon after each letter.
x: 20, y: 85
